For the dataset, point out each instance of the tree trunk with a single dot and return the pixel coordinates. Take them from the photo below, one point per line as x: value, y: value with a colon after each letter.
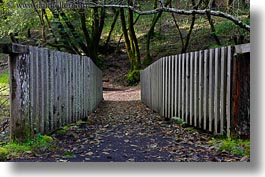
x: 132, y: 47
x: 148, y: 59
x: 112, y: 27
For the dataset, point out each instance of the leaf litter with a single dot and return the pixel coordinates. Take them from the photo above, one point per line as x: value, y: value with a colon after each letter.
x: 124, y: 130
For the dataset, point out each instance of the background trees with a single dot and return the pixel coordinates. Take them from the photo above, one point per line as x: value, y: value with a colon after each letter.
x: 146, y: 29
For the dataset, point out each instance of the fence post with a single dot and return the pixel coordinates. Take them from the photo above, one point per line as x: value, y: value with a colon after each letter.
x: 240, y: 92
x: 19, y: 90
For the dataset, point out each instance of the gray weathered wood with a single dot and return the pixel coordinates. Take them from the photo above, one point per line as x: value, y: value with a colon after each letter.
x: 187, y: 86
x: 196, y: 87
x: 217, y: 80
x: 228, y: 93
x: 179, y: 84
x: 48, y: 90
x: 173, y: 97
x: 19, y: 96
x: 223, y: 87
x: 205, y: 87
x: 183, y: 87
x: 191, y: 88
x: 176, y: 86
x: 242, y: 48
x: 201, y: 81
x: 211, y: 88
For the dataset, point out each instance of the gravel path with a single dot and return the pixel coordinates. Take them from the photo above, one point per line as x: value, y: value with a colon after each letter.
x: 124, y: 130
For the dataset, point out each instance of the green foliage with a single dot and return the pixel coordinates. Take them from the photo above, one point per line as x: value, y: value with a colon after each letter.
x: 4, y: 78
x: 39, y: 144
x: 68, y: 155
x: 224, y: 27
x: 3, y: 153
x: 236, y: 146
x: 62, y: 131
x: 99, y: 61
x: 179, y: 120
x: 133, y: 77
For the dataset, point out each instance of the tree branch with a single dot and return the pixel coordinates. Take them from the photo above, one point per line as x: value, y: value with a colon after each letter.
x: 180, y: 12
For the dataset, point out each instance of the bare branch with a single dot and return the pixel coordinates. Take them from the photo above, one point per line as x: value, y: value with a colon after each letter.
x: 180, y: 12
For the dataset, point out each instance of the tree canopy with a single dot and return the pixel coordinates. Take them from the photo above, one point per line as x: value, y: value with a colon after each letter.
x: 81, y: 26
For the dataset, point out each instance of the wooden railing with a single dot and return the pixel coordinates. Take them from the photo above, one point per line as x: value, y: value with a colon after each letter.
x: 198, y: 87
x: 49, y: 89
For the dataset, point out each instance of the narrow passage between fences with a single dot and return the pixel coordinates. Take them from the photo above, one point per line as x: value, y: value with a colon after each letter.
x: 124, y: 129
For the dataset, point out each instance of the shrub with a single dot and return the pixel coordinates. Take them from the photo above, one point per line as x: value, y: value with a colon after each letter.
x: 133, y: 78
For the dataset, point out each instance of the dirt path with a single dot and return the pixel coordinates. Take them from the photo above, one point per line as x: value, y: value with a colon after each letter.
x: 123, y: 129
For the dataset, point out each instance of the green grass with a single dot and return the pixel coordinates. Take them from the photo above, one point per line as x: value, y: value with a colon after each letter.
x: 236, y: 146
x: 4, y: 92
x: 4, y: 78
x: 37, y: 145
x: 68, y: 155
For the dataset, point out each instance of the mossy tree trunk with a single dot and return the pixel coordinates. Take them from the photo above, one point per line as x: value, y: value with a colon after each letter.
x: 131, y: 44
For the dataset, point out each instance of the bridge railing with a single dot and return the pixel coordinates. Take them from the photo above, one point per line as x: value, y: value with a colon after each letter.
x: 208, y: 89
x: 49, y: 89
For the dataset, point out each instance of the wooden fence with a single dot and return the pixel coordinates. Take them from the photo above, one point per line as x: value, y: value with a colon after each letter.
x: 49, y: 89
x: 196, y: 87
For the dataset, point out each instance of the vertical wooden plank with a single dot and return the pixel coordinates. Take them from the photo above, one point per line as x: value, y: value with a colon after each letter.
x: 49, y: 99
x: 172, y: 86
x: 166, y: 85
x: 152, y: 80
x: 67, y: 108
x: 187, y: 85
x: 157, y: 85
x: 151, y: 86
x: 43, y: 90
x: 223, y: 88
x: 176, y: 86
x: 205, y: 95
x: 154, y: 100
x: 92, y: 85
x: 217, y: 81
x: 87, y: 84
x: 179, y: 85
x: 81, y: 88
x: 163, y: 87
x: 196, y: 88
x: 191, y: 88
x: 183, y: 87
x: 55, y: 86
x: 61, y: 88
x: 33, y: 87
x: 72, y: 87
x: 228, y: 93
x: 201, y: 81
x: 78, y: 87
x: 84, y: 86
x: 52, y: 90
x: 47, y: 91
x: 169, y: 96
x: 63, y: 105
x: 211, y: 89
